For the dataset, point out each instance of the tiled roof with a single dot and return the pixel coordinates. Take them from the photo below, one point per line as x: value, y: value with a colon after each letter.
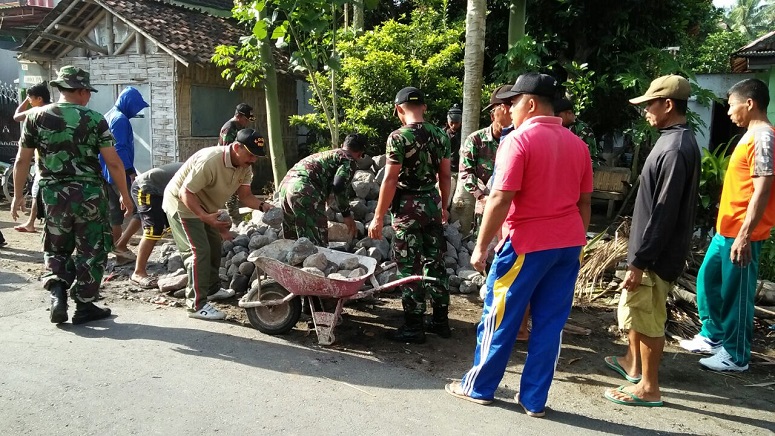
x: 189, y: 33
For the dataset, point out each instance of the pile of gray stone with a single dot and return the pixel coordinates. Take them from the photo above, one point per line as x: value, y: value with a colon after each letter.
x: 263, y: 230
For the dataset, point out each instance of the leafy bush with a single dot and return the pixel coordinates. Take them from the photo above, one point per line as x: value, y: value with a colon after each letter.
x: 714, y: 167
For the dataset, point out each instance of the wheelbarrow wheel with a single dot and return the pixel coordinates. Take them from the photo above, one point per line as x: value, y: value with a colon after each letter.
x: 274, y: 320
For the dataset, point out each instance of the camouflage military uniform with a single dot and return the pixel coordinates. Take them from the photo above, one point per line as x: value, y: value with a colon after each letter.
x: 73, y: 194
x: 477, y: 159
x: 305, y: 189
x: 227, y: 136
x: 583, y: 131
x: 418, y: 244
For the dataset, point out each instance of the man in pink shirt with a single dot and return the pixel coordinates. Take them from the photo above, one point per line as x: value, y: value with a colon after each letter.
x: 541, y: 198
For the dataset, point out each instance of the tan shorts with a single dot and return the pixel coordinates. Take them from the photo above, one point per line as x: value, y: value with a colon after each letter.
x: 645, y: 309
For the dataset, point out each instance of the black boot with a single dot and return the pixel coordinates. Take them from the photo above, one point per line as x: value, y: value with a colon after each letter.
x: 85, y: 312
x: 412, y: 331
x: 439, y: 323
x: 58, y: 312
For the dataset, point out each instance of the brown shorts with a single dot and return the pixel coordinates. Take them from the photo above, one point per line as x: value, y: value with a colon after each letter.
x: 645, y: 309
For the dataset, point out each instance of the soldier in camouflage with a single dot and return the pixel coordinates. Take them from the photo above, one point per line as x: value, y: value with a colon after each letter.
x: 418, y: 155
x: 243, y: 115
x: 563, y: 108
x: 69, y: 139
x: 307, y: 186
x: 477, y: 156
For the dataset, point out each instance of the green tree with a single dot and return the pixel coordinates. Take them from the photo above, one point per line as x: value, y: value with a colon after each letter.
x: 712, y: 54
x: 752, y: 18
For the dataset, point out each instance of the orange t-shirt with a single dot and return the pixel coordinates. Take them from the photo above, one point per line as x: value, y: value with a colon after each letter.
x: 753, y: 157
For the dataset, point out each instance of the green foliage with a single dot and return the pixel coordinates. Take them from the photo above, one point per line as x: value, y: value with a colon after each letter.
x: 767, y: 258
x: 714, y: 167
x: 711, y: 55
x: 527, y: 55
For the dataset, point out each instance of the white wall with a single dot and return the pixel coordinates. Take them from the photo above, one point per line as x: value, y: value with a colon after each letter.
x: 718, y: 84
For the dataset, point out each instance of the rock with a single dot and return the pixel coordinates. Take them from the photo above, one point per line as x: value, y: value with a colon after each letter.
x: 471, y: 245
x: 450, y: 272
x: 365, y: 243
x: 380, y: 176
x: 482, y: 292
x: 361, y: 229
x: 453, y: 236
x: 384, y: 248
x: 231, y: 270
x: 273, y: 217
x: 364, y: 163
x: 314, y: 271
x: 339, y: 246
x: 386, y: 277
x: 171, y: 283
x: 350, y: 263
x: 262, y: 228
x: 362, y: 181
x: 300, y: 250
x: 331, y: 268
x: 388, y: 233
x: 337, y: 276
x: 246, y: 268
x: 467, y: 287
x: 356, y: 273
x: 450, y: 262
x: 256, y: 242
x: 241, y: 249
x: 224, y: 261
x: 276, y: 250
x: 358, y: 209
x: 479, y: 280
x: 338, y: 232
x: 174, y: 262
x: 239, y: 283
x: 464, y: 260
x: 344, y: 272
x: 239, y: 258
x: 317, y: 260
x: 229, y: 255
x: 454, y: 281
x: 330, y: 214
x: 368, y: 218
x: 451, y: 252
x: 467, y: 274
x: 380, y: 161
x: 363, y: 251
x: 222, y: 271
x: 227, y: 247
x: 373, y: 192
x: 241, y: 241
x: 271, y: 235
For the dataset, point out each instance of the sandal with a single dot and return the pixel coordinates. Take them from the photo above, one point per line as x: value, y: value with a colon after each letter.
x: 456, y: 390
x: 144, y: 282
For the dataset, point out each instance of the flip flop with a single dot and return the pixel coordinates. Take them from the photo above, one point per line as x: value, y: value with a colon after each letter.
x: 23, y: 229
x: 636, y: 400
x: 456, y: 390
x: 613, y: 363
x: 144, y: 282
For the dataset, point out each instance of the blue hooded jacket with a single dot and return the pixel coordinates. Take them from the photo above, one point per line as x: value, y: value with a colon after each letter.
x: 128, y: 104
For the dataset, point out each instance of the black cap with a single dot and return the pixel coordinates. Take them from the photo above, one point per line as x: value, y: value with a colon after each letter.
x: 562, y: 105
x: 494, y: 100
x: 410, y: 95
x: 455, y: 114
x: 246, y: 110
x: 252, y: 141
x: 532, y: 83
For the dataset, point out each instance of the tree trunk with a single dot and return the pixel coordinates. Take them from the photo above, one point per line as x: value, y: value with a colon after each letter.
x: 273, y: 114
x: 516, y: 21
x: 358, y: 16
x: 463, y: 202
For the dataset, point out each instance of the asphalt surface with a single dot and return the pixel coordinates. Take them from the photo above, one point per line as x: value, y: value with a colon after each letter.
x: 151, y: 370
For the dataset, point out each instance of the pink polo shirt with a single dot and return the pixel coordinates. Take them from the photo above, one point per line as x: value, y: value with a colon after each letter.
x: 548, y: 167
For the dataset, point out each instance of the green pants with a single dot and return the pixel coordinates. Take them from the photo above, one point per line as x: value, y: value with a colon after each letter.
x: 200, y: 248
x: 725, y: 298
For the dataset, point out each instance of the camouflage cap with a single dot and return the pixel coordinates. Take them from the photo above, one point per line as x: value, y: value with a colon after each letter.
x: 71, y: 77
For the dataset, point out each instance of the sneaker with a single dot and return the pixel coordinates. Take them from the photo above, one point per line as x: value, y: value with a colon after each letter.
x: 207, y: 312
x: 722, y: 361
x: 700, y: 344
x: 222, y: 294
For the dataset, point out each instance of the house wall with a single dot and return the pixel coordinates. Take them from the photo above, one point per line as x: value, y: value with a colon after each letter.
x: 158, y: 72
x: 210, y: 76
x: 719, y: 84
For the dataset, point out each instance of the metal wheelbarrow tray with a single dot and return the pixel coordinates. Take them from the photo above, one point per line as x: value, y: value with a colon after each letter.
x: 273, y: 307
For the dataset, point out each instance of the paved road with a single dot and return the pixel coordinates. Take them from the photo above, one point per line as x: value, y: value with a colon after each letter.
x: 152, y: 370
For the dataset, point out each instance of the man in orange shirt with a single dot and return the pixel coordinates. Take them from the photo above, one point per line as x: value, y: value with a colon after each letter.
x: 726, y: 282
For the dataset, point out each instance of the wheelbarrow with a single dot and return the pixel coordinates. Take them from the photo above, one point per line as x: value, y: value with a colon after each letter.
x: 274, y: 306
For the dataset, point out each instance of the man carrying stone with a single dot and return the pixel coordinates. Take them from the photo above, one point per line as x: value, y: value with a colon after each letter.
x: 148, y: 192
x: 69, y: 138
x: 243, y: 115
x: 306, y: 187
x: 541, y: 194
x: 660, y: 239
x: 417, y: 156
x: 192, y: 200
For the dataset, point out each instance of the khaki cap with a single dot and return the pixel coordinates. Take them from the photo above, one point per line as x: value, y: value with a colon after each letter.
x: 672, y: 86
